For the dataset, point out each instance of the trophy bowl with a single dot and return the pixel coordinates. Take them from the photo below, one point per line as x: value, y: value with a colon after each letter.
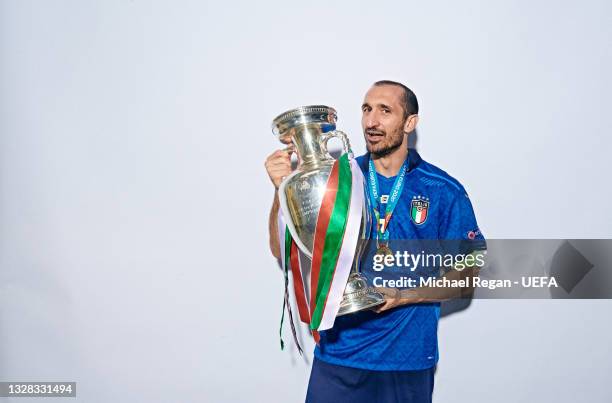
x: 308, y: 129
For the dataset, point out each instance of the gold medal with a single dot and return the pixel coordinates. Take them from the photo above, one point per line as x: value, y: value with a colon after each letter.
x: 384, y: 250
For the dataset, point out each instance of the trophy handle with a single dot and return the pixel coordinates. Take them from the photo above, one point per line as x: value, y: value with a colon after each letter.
x: 346, y: 145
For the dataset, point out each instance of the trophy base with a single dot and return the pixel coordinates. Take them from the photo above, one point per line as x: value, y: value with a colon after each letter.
x: 358, y: 296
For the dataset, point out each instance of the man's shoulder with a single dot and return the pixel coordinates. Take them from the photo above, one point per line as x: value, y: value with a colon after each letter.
x: 361, y: 158
x: 362, y: 161
x: 426, y: 172
x: 435, y: 176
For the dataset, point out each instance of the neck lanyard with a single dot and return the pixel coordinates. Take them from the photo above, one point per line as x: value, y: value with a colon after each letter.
x: 396, y: 191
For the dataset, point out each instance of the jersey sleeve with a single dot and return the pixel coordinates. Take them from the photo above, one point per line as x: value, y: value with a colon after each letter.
x: 459, y: 229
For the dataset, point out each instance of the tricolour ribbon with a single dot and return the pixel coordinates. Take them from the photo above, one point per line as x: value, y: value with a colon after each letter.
x: 335, y: 242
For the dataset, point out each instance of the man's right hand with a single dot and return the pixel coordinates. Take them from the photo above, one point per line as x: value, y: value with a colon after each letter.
x: 278, y: 165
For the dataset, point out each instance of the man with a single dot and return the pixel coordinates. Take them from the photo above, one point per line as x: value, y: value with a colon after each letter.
x: 389, y: 354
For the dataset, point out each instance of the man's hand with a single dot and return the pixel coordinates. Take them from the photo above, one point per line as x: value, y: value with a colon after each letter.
x: 393, y: 298
x: 278, y: 165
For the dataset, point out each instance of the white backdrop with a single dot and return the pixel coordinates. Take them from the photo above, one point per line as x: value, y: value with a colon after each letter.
x: 134, y: 201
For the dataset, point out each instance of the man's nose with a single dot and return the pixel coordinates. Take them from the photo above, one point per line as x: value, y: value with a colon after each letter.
x: 371, y: 120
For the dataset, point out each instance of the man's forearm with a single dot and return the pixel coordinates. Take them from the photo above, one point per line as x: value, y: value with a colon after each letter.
x: 273, y: 226
x: 439, y: 294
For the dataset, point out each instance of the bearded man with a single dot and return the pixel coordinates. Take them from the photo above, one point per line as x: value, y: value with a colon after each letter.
x: 389, y: 354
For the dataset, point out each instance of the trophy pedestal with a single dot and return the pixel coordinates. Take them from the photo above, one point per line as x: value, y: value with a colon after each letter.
x: 358, y: 296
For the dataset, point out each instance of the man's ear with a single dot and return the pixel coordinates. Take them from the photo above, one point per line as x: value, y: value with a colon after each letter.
x: 411, y: 123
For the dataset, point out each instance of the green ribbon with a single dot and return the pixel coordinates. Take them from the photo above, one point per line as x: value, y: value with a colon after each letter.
x: 288, y: 241
x: 333, y: 238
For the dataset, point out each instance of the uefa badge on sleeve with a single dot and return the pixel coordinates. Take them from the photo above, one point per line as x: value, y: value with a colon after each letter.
x: 419, y: 208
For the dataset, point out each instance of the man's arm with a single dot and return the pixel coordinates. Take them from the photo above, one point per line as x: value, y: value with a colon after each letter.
x: 273, y: 226
x: 439, y: 294
x: 278, y: 165
x: 395, y: 297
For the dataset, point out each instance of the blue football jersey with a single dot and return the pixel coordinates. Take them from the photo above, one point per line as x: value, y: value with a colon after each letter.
x: 432, y: 206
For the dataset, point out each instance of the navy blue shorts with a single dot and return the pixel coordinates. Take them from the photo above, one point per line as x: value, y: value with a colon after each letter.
x: 331, y: 383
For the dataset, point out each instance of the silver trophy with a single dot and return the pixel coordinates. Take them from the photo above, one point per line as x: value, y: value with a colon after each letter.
x: 308, y: 129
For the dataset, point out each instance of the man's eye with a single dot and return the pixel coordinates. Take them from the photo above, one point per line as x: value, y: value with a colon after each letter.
x: 386, y: 111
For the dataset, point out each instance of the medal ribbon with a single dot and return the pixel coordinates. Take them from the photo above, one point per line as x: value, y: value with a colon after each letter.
x: 375, y: 198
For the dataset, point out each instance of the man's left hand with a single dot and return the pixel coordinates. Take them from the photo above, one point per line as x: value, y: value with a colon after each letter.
x: 393, y: 298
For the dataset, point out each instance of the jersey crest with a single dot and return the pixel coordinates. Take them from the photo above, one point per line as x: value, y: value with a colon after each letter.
x: 419, y: 209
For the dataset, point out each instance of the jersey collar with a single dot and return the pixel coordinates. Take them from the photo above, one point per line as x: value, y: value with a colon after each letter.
x: 414, y: 160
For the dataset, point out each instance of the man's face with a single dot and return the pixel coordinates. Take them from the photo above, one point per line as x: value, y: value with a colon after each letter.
x: 383, y: 119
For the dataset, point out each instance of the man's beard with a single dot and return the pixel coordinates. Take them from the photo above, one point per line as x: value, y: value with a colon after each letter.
x: 388, y: 145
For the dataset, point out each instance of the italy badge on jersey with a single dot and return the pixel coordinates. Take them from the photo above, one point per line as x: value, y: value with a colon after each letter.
x: 419, y: 208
